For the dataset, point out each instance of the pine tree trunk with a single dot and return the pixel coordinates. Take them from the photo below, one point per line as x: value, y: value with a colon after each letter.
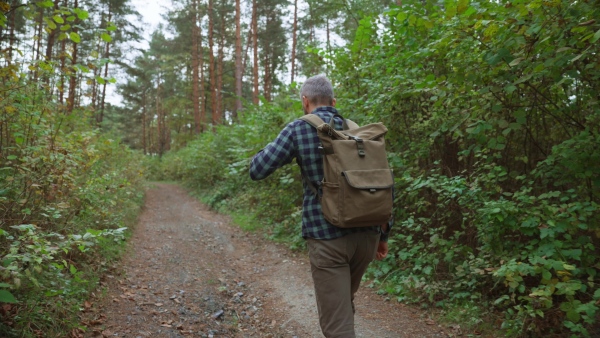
x: 267, y: 66
x: 144, y: 145
x: 201, y: 84
x: 159, y: 122
x: 37, y: 41
x: 255, y: 49
x: 294, y: 40
x: 106, y: 55
x: 195, y: 69
x: 94, y: 82
x: 220, y: 62
x: 73, y: 80
x: 248, y: 44
x: 267, y: 75
x: 63, y: 51
x: 211, y: 66
x: 11, y: 34
x: 238, y: 60
x: 52, y: 37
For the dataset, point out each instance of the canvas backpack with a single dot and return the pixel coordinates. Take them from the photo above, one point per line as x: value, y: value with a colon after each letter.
x: 356, y: 190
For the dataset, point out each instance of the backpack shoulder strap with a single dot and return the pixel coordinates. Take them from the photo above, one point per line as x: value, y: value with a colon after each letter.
x: 316, y: 121
x: 313, y: 120
x: 351, y: 124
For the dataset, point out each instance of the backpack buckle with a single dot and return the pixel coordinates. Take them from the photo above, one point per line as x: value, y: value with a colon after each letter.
x: 360, y: 145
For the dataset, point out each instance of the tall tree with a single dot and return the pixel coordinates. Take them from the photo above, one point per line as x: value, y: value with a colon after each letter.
x: 294, y: 41
x: 211, y: 64
x: 238, y: 60
x: 255, y: 51
x: 196, y: 67
x: 74, y: 60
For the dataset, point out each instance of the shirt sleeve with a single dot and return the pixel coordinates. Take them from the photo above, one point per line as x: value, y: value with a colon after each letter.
x: 275, y: 155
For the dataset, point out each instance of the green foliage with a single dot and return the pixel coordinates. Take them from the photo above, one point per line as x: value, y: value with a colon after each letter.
x: 494, y: 129
x: 494, y: 126
x: 494, y: 133
x: 216, y: 166
x: 66, y: 195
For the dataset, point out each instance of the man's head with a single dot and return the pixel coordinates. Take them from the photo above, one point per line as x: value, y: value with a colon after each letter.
x: 317, y: 91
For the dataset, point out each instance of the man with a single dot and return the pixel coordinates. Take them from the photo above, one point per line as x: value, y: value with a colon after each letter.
x: 338, y: 256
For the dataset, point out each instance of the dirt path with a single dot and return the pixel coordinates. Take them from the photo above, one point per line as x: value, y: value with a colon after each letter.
x: 190, y: 273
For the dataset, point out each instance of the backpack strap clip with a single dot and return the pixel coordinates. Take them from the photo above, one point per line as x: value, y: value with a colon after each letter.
x: 360, y: 145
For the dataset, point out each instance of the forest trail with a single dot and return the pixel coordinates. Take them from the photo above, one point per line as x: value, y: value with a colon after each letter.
x: 189, y: 273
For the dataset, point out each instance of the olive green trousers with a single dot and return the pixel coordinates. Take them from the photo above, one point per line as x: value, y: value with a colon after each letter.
x: 337, y: 268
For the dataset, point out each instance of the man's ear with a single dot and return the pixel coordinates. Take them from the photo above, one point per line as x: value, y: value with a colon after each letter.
x: 333, y: 102
x: 305, y: 104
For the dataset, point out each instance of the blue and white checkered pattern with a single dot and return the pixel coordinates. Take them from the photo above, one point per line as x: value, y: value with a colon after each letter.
x: 299, y: 140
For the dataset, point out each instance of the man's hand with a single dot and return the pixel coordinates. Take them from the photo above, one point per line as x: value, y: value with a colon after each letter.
x: 382, y: 251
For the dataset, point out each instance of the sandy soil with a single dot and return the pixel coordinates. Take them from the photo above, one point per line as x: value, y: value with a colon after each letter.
x: 190, y: 273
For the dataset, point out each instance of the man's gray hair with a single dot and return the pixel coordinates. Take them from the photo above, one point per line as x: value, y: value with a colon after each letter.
x: 318, y: 90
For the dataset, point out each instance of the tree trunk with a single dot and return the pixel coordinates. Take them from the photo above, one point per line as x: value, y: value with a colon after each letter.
x: 267, y: 69
x: 248, y: 43
x: 106, y: 55
x: 238, y: 60
x: 195, y: 69
x: 159, y: 122
x: 11, y: 34
x: 294, y: 39
x: 39, y: 34
x: 255, y: 48
x: 220, y: 62
x: 73, y: 80
x: 52, y: 37
x: 201, y: 84
x: 267, y: 75
x: 97, y: 72
x: 211, y: 66
x: 144, y: 123
x: 63, y: 51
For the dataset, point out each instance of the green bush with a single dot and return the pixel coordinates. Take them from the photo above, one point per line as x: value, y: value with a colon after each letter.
x: 67, y: 195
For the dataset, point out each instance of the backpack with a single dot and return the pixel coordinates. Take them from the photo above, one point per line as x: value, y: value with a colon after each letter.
x: 356, y: 190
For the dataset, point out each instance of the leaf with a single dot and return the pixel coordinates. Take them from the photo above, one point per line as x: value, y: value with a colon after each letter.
x: 402, y: 16
x: 81, y: 14
x: 45, y: 4
x: 58, y: 19
x: 577, y: 57
x: 596, y: 37
x: 106, y: 37
x: 515, y: 62
x: 75, y: 37
x: 7, y: 297
x: 470, y: 11
x: 462, y: 6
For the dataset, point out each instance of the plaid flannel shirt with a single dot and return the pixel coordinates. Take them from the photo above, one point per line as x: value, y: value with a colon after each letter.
x: 299, y: 140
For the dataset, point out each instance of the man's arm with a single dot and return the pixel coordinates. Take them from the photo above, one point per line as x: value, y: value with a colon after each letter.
x: 275, y: 155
